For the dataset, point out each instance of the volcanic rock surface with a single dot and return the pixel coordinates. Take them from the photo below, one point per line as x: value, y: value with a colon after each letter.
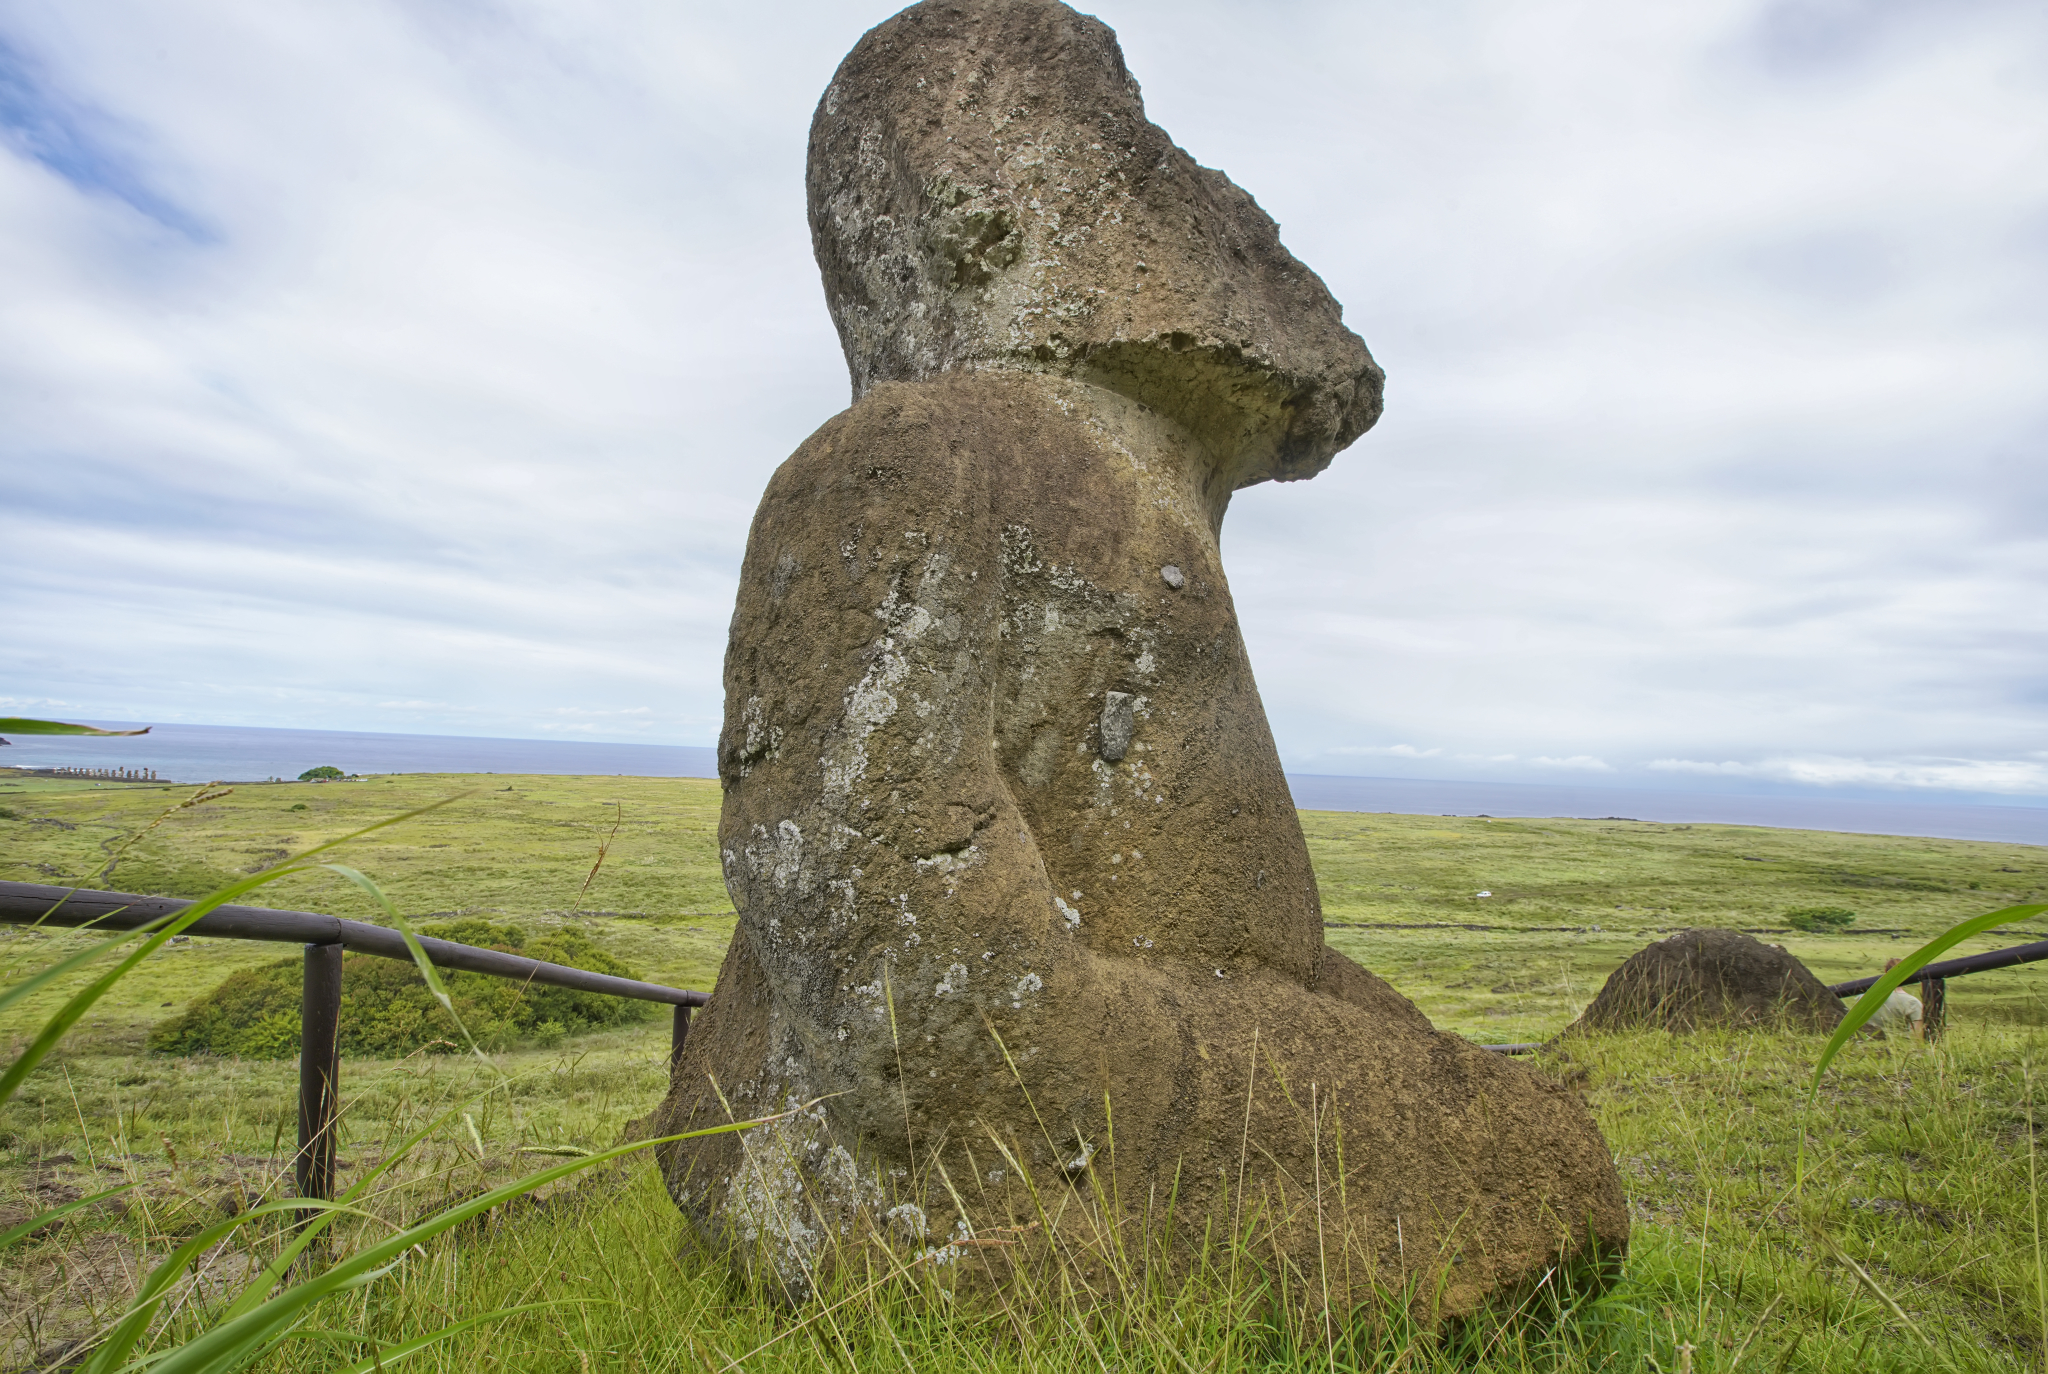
x: 1701, y: 978
x: 1020, y: 885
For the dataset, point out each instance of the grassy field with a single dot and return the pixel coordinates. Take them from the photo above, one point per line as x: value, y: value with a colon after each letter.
x: 1913, y: 1248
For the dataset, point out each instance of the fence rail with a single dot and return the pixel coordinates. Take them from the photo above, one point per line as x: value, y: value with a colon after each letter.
x: 324, y: 938
x: 24, y: 903
x: 1932, y: 979
x: 1951, y: 968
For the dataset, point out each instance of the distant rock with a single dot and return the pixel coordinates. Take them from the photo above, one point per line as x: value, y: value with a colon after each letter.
x: 1701, y: 978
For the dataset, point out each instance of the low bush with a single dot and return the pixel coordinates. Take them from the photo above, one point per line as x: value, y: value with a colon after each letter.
x: 388, y: 1012
x: 326, y: 772
x: 1820, y: 920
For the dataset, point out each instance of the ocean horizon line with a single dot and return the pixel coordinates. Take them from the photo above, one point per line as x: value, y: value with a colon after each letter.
x: 232, y: 753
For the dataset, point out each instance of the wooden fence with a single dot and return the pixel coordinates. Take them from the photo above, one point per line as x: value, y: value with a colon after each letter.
x: 325, y: 938
x: 1934, y: 980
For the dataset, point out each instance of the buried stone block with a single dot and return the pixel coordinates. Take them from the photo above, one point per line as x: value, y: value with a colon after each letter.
x: 1024, y: 908
x: 1702, y: 978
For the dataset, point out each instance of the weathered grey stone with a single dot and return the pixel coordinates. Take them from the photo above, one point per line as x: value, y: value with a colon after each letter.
x: 1119, y: 720
x: 1005, y: 827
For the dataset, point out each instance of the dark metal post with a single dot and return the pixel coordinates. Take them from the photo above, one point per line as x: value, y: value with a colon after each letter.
x: 319, y: 1070
x: 678, y: 1035
x: 1933, y: 1008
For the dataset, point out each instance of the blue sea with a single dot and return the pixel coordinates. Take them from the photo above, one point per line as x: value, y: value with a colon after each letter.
x: 235, y: 753
x: 207, y: 753
x: 1416, y: 797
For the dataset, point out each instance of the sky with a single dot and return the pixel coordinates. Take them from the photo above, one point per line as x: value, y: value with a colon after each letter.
x: 417, y: 366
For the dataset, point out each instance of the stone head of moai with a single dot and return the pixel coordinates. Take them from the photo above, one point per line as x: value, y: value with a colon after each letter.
x: 986, y: 193
x: 1024, y: 909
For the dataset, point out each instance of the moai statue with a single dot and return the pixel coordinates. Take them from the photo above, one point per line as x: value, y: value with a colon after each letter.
x: 1020, y: 885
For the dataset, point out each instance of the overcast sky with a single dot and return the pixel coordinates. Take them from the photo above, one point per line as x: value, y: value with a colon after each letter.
x: 417, y: 367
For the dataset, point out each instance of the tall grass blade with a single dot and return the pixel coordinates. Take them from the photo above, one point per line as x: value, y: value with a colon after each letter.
x: 134, y: 1324
x: 51, y: 973
x: 603, y: 847
x: 211, y: 792
x: 260, y: 1287
x: 391, y: 1354
x: 418, y: 952
x: 1863, y: 1276
x: 240, y: 1338
x: 56, y: 1214
x: 58, y: 970
x: 67, y: 1016
x: 22, y: 725
x: 1868, y: 1004
x: 2034, y: 1210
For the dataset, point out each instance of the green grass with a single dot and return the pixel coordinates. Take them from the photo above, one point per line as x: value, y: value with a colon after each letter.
x: 658, y: 904
x: 1926, y: 1192
x: 1572, y: 899
x: 1919, y: 1158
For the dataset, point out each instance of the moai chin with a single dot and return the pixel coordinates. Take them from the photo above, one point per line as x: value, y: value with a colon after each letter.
x: 1004, y: 824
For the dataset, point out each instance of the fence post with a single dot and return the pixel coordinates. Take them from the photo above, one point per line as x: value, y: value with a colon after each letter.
x: 1933, y: 1008
x: 319, y: 1070
x: 678, y: 1034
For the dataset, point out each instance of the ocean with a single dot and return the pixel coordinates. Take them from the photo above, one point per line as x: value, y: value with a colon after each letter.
x: 235, y: 753
x: 1416, y: 797
x: 227, y: 753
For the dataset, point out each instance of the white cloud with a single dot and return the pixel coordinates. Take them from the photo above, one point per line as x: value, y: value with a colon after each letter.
x: 1728, y: 768
x: 1393, y: 751
x: 419, y: 368
x: 2016, y: 777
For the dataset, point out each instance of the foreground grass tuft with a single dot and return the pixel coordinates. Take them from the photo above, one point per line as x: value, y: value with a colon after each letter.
x: 1912, y: 1250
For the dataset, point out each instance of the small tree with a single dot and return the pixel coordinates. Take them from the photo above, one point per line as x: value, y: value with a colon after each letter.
x: 326, y: 772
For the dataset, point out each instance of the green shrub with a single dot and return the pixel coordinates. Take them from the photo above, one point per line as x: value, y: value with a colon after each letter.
x: 324, y: 773
x: 296, y: 806
x: 1820, y: 920
x: 387, y: 1011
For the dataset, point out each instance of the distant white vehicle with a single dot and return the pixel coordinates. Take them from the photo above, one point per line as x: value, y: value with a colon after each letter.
x: 1485, y: 894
